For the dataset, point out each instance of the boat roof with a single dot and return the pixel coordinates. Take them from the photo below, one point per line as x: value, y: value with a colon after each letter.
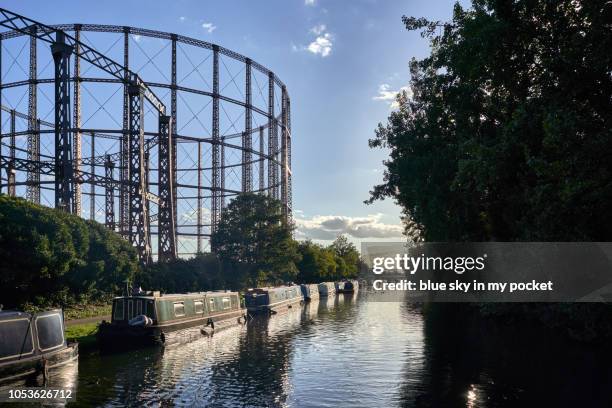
x: 157, y: 295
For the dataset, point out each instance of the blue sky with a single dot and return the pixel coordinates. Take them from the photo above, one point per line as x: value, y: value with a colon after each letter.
x: 342, y: 61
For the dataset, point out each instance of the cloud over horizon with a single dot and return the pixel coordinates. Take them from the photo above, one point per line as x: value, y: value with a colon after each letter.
x: 328, y: 227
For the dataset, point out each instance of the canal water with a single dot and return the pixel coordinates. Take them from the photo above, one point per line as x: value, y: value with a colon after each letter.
x: 348, y: 351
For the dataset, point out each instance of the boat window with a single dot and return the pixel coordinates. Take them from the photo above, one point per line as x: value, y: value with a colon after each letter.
x: 211, y: 305
x: 179, y: 309
x: 130, y: 309
x: 50, y: 331
x: 226, y: 303
x: 199, y: 306
x: 118, y: 315
x: 15, y: 338
x: 138, y: 307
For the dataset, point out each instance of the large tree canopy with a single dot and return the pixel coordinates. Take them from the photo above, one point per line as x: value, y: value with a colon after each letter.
x: 49, y: 257
x: 254, y: 241
x: 507, y: 133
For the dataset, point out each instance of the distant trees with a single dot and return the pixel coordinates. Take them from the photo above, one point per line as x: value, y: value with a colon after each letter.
x: 319, y: 263
x: 52, y: 258
x: 506, y: 134
x: 254, y: 243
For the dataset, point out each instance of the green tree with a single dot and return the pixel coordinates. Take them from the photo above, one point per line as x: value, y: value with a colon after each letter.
x: 507, y: 132
x: 254, y: 243
x: 317, y: 263
x: 53, y: 258
x: 347, y: 257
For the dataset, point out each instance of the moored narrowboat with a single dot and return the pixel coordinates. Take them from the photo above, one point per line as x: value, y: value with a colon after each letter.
x: 33, y: 344
x: 155, y: 319
x: 347, y: 286
x: 310, y: 291
x: 327, y: 289
x: 271, y: 300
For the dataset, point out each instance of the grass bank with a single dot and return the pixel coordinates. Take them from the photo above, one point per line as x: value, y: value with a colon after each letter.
x: 84, y: 334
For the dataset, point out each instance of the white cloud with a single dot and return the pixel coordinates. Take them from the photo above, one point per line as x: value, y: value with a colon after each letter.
x: 182, y: 19
x: 136, y: 37
x: 310, y: 2
x: 209, y: 27
x: 322, y: 45
x: 386, y: 94
x: 328, y: 227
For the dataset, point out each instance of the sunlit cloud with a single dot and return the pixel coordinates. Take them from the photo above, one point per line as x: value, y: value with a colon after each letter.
x: 310, y: 2
x: 209, y: 27
x: 321, y: 45
x: 328, y: 227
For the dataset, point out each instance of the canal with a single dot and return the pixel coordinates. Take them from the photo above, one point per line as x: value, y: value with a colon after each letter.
x: 352, y: 352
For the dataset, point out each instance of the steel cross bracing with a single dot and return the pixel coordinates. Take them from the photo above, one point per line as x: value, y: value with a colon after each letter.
x: 62, y: 46
x: 203, y: 183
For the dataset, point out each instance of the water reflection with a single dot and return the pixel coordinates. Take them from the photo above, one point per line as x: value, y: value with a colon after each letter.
x: 471, y: 362
x: 347, y: 351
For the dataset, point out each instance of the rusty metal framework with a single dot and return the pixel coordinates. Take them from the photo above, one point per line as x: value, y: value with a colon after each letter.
x: 161, y: 179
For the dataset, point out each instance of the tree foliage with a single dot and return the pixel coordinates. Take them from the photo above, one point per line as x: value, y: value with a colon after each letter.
x: 53, y: 258
x: 203, y: 272
x: 254, y: 243
x: 507, y: 133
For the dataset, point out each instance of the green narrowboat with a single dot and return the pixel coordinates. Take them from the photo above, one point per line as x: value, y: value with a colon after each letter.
x: 154, y: 319
x: 33, y: 344
x: 271, y: 300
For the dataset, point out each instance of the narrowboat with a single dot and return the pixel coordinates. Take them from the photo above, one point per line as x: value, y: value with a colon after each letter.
x: 347, y: 286
x: 271, y: 300
x: 327, y: 289
x: 310, y: 291
x: 154, y: 319
x: 33, y: 344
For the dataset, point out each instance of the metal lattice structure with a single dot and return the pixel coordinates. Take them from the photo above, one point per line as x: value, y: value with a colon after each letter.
x: 153, y: 146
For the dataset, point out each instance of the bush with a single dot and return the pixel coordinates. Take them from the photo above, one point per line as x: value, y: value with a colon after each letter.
x: 51, y: 258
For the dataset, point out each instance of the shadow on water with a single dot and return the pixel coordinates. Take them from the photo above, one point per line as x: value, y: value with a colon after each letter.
x: 469, y: 362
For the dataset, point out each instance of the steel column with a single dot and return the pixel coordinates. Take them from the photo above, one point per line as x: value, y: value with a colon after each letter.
x: 92, y: 186
x: 11, y: 167
x: 261, y: 160
x: 124, y: 171
x: 271, y: 138
x: 247, y: 138
x: 77, y: 118
x: 64, y: 168
x: 199, y: 210
x: 109, y: 190
x: 138, y: 216
x: 33, y: 176
x: 216, y: 179
x: 284, y: 157
x: 173, y: 129
x: 165, y: 219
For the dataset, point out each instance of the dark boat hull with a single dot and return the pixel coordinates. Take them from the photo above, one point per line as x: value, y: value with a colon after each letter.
x: 275, y: 307
x: 114, y: 337
x: 36, y: 365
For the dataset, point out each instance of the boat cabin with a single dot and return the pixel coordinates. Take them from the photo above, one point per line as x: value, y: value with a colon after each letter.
x: 162, y: 309
x: 310, y: 291
x: 269, y: 299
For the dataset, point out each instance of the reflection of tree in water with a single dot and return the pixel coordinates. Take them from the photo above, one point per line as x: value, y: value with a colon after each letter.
x: 471, y: 362
x: 258, y: 374
x: 114, y: 379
